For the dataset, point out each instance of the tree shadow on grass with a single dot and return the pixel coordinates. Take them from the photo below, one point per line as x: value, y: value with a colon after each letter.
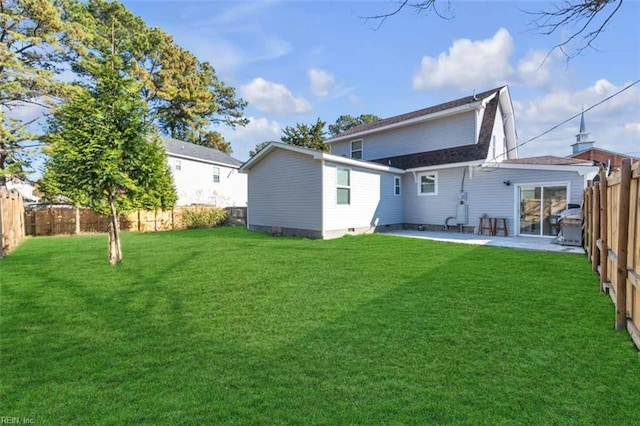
x: 443, y: 348
x: 469, y: 334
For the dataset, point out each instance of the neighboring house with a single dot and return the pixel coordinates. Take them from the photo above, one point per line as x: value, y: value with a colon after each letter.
x: 444, y: 165
x: 205, y: 176
x: 583, y: 149
x: 25, y: 188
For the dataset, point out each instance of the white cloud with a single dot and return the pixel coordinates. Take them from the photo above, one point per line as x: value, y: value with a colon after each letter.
x: 535, y: 69
x: 633, y: 127
x: 613, y: 125
x: 322, y: 82
x: 244, y: 139
x: 273, y: 98
x: 468, y: 64
x: 482, y: 63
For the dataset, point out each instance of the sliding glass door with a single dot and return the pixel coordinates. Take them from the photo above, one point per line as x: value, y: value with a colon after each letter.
x: 540, y: 207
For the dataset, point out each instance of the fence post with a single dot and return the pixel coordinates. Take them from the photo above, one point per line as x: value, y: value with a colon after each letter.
x: 3, y: 193
x: 76, y: 230
x: 595, y: 228
x: 623, y: 231
x: 604, y: 238
x: 52, y: 220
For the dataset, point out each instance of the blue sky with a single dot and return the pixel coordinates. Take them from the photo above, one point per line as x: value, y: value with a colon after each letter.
x: 295, y: 61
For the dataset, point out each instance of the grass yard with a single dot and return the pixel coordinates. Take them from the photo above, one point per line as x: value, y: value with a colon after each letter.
x: 226, y: 326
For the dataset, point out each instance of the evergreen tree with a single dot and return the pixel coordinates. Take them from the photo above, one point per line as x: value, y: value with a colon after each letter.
x: 102, y: 153
x: 184, y: 96
x: 345, y: 122
x: 259, y: 147
x: 215, y: 140
x: 305, y: 135
x: 33, y: 37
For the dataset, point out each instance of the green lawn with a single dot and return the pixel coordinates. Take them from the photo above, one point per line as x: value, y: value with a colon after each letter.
x: 226, y: 326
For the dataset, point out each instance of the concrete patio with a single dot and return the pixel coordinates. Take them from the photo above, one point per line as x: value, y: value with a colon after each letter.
x: 525, y: 243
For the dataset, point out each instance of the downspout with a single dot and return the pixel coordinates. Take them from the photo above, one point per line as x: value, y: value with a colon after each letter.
x: 322, y: 224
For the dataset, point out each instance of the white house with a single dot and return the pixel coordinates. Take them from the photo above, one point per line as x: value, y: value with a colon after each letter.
x: 448, y: 164
x: 25, y: 187
x: 205, y: 176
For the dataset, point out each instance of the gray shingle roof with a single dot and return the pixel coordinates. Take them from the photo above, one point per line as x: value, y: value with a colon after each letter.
x: 178, y: 147
x: 548, y: 160
x: 457, y: 154
x: 414, y: 114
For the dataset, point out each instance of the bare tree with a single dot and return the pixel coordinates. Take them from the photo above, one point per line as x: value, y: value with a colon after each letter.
x: 421, y: 6
x: 586, y: 19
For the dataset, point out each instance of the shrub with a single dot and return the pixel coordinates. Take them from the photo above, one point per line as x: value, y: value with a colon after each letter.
x: 204, y: 217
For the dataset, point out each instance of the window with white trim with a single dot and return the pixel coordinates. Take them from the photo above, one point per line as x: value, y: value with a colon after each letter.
x: 356, y: 149
x: 177, y: 164
x: 428, y: 183
x: 397, y: 190
x: 216, y: 174
x: 343, y: 186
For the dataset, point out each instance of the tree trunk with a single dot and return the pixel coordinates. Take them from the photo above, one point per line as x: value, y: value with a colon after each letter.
x: 115, y: 250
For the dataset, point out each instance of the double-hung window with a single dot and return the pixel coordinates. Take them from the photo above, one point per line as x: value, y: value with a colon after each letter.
x: 177, y: 164
x: 343, y: 186
x: 397, y: 190
x: 428, y: 183
x: 216, y: 174
x: 356, y: 150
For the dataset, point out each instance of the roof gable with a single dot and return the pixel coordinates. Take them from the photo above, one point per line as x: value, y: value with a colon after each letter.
x: 457, y: 154
x: 198, y: 152
x: 398, y: 119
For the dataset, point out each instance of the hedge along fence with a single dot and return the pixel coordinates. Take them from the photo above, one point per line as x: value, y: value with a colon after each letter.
x: 11, y: 220
x: 64, y: 219
x: 612, y: 241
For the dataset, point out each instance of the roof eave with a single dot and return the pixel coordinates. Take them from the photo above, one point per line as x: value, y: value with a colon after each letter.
x: 446, y: 166
x: 580, y: 169
x: 202, y: 160
x: 317, y: 155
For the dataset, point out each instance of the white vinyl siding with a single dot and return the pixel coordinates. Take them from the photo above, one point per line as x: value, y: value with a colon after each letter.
x: 498, y: 139
x: 372, y: 202
x: 356, y: 149
x: 285, y: 190
x: 195, y: 183
x: 486, y: 194
x: 435, y: 134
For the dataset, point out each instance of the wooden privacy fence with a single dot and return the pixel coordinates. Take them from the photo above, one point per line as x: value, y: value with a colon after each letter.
x: 11, y: 220
x: 65, y: 219
x: 612, y: 241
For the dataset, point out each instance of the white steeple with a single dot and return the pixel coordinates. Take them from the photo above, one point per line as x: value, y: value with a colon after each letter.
x: 582, y: 138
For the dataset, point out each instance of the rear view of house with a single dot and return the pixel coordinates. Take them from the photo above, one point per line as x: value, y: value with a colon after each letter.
x: 448, y: 164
